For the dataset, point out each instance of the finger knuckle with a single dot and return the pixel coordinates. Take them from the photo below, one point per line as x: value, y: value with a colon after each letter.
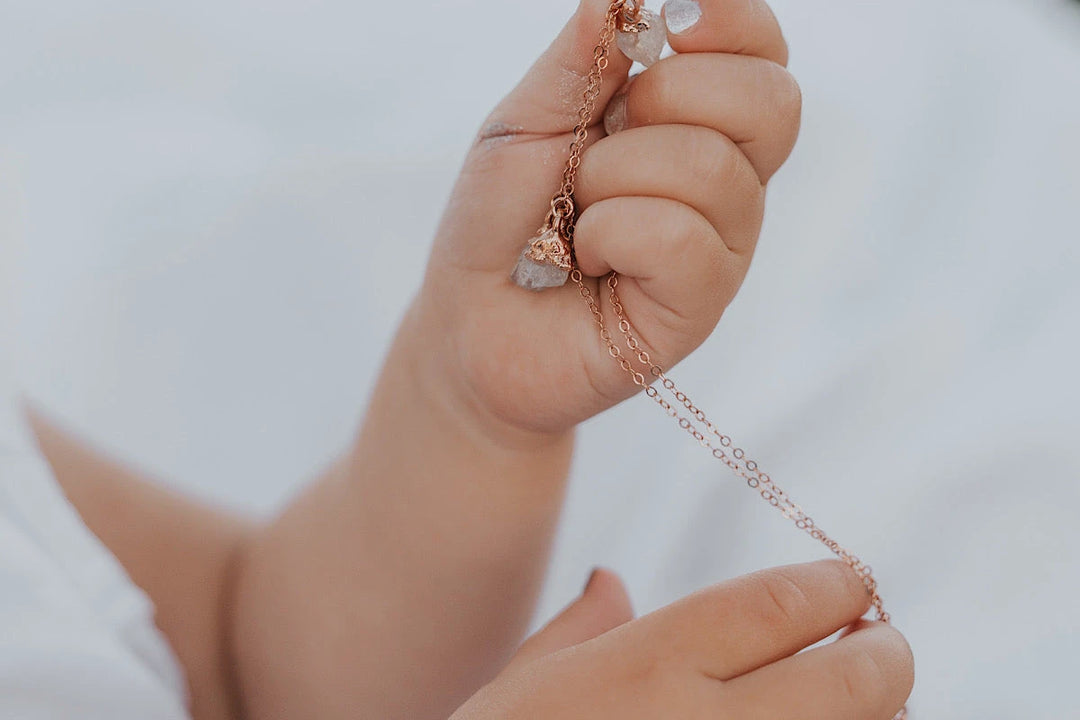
x: 864, y: 680
x: 782, y: 49
x: 783, y: 599
x: 673, y: 326
x: 720, y: 269
x: 792, y: 105
x: 715, y: 160
x: 687, y: 240
x: 708, y: 266
x: 653, y: 673
x: 787, y: 98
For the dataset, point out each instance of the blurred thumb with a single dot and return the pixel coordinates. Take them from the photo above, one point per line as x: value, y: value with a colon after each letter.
x: 603, y: 606
x: 548, y: 98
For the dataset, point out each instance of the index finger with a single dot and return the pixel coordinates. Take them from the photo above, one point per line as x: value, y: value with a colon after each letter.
x: 747, y: 623
x: 738, y: 27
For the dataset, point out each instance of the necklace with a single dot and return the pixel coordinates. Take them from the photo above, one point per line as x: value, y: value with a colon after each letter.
x: 548, y: 261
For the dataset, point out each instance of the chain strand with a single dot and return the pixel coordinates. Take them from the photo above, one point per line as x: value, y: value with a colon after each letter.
x: 698, y: 426
x: 688, y: 415
x: 563, y: 208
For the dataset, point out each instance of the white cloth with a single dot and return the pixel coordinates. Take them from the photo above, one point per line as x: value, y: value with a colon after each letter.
x: 77, y: 638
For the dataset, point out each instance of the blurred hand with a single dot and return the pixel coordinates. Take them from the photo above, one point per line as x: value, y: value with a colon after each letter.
x: 673, y: 202
x: 725, y: 652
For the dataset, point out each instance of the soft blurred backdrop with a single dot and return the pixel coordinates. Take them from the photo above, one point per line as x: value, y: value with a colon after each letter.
x: 228, y: 204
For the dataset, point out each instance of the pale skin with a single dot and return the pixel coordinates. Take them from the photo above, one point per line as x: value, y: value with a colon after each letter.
x: 402, y: 581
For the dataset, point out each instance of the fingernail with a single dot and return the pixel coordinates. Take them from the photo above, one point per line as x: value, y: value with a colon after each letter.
x: 615, y: 117
x: 681, y: 15
x: 589, y: 582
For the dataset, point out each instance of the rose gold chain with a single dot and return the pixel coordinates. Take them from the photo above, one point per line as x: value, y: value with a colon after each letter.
x: 620, y: 14
x: 698, y: 426
x: 624, y: 14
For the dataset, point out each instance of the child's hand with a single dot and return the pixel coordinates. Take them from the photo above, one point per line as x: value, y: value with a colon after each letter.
x: 731, y: 651
x: 673, y: 203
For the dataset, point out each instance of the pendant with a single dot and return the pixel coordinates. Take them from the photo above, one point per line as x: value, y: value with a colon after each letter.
x: 644, y: 40
x: 545, y: 263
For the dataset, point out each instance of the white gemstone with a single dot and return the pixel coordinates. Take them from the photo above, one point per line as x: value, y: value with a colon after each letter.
x: 533, y: 275
x: 645, y: 46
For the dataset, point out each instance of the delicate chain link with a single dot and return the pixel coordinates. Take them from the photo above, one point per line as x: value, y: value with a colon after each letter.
x: 592, y: 92
x: 694, y: 421
x: 563, y: 209
x: 698, y: 426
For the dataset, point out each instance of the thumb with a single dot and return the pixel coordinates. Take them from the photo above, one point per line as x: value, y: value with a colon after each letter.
x: 548, y: 98
x: 507, y: 183
x: 603, y: 606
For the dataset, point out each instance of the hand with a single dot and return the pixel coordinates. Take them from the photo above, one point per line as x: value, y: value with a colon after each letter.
x: 673, y: 203
x: 726, y: 652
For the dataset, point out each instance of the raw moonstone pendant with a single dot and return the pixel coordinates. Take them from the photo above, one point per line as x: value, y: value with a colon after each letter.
x: 533, y: 275
x: 644, y: 46
x: 545, y: 263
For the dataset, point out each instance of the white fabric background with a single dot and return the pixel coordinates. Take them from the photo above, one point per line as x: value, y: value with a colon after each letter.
x: 77, y: 638
x: 228, y: 205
